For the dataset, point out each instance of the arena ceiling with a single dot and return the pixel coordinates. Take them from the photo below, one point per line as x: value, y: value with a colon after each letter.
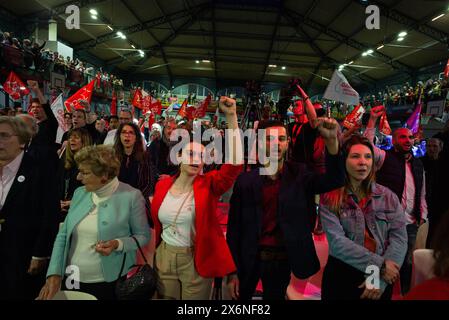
x: 252, y: 39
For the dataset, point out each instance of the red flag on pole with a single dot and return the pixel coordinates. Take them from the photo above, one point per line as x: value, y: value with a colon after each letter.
x: 138, y: 99
x: 201, y: 110
x: 85, y: 93
x: 182, y: 112
x: 446, y: 70
x: 114, y: 104
x: 15, y: 87
x: 384, y: 126
x: 156, y: 107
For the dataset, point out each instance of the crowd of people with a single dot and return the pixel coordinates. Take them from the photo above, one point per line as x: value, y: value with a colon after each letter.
x: 36, y: 57
x: 110, y: 185
x: 432, y: 89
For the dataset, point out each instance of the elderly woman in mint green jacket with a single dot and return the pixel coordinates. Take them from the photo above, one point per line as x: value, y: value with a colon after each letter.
x: 97, y: 233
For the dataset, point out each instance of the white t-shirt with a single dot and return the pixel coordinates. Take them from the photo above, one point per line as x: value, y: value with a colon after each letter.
x: 179, y: 234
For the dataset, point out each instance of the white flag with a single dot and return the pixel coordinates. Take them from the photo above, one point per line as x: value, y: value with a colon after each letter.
x: 340, y: 90
x: 58, y: 110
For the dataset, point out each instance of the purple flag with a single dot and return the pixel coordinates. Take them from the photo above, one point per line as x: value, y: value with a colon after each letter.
x: 413, y: 121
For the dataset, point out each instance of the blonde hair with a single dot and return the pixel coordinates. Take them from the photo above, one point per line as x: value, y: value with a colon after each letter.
x: 86, y: 140
x: 101, y: 159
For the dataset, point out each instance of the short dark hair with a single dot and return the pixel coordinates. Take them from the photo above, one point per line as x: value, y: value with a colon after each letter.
x: 113, y: 117
x: 35, y: 100
x: 265, y: 124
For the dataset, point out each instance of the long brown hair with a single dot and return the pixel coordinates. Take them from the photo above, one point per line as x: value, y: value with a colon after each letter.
x: 138, y: 152
x: 335, y: 198
x: 86, y: 140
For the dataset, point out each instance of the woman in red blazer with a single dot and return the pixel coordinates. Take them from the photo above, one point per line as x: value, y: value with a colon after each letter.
x: 191, y: 247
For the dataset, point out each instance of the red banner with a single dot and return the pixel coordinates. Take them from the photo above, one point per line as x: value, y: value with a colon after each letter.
x: 85, y: 93
x: 114, y: 104
x: 354, y: 118
x: 384, y: 126
x: 15, y: 87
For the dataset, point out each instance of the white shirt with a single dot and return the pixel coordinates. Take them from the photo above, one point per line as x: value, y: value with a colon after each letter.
x: 178, y: 234
x: 9, y: 172
x: 408, y: 195
x: 85, y: 237
x: 110, y: 138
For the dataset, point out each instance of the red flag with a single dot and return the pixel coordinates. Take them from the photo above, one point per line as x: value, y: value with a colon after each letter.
x: 15, y: 87
x: 85, y: 93
x: 114, y: 104
x: 354, y: 118
x: 201, y: 110
x: 446, y: 70
x: 138, y: 99
x: 384, y: 126
x: 156, y: 107
x: 182, y: 112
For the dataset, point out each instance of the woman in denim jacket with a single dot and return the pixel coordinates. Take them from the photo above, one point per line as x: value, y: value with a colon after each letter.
x: 365, y: 228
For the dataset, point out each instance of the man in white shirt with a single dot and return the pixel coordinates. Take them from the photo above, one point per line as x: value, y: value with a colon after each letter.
x: 125, y: 116
x: 399, y: 171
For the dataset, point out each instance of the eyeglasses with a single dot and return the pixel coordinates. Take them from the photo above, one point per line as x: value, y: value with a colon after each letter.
x: 128, y: 133
x: 84, y: 173
x: 6, y: 136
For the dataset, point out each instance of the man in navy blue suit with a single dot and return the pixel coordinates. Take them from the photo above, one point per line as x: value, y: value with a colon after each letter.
x: 269, y: 226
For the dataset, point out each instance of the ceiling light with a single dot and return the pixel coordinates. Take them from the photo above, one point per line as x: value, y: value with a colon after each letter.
x: 369, y: 51
x: 133, y: 46
x: 402, y: 34
x: 197, y: 61
x: 400, y: 39
x: 110, y: 28
x: 206, y: 61
x: 438, y: 17
x: 380, y: 47
x: 119, y: 33
x: 364, y: 54
x: 94, y: 17
x: 123, y: 36
x: 284, y: 67
x: 272, y: 65
x: 93, y: 12
x: 350, y: 62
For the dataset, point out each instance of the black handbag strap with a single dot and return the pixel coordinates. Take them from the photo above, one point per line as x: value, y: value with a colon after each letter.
x: 124, y: 257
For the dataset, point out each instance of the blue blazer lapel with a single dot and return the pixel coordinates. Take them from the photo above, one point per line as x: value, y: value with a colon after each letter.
x: 80, y: 212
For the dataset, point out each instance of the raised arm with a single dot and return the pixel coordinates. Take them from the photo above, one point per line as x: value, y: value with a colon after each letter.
x: 224, y: 178
x: 310, y: 109
x: 334, y: 176
x: 379, y: 154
